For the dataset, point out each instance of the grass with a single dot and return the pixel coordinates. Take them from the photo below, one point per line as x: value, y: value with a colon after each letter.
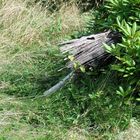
x: 87, y: 108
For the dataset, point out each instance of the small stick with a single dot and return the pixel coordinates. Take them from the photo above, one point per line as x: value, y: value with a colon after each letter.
x: 58, y: 85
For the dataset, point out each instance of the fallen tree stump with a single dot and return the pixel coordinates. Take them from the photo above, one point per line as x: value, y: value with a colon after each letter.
x: 87, y: 51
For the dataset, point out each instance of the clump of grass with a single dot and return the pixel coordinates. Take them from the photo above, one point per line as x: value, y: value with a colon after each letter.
x: 25, y: 23
x: 71, y: 18
x: 21, y: 23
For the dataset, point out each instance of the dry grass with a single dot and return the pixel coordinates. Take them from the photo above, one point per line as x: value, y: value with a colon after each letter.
x: 25, y: 24
x: 71, y: 18
x: 132, y: 133
x: 22, y: 24
x: 76, y: 134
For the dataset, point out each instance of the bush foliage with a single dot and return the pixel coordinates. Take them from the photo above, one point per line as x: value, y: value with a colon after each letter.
x: 128, y: 51
x: 122, y: 16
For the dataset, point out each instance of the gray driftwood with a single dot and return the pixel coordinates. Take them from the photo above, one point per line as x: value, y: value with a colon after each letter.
x: 88, y: 51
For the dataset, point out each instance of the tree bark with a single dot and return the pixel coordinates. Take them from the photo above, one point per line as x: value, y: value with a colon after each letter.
x: 89, y: 50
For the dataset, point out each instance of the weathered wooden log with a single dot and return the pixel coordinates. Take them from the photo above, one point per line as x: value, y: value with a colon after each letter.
x: 89, y: 50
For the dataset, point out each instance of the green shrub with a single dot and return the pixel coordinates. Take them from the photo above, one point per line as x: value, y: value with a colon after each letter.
x: 128, y: 53
x: 104, y: 17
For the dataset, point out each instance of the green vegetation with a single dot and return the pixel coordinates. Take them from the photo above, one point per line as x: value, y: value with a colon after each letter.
x: 95, y: 105
x: 128, y: 54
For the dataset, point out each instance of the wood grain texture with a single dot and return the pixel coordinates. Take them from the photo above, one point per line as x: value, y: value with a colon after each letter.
x: 89, y: 50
